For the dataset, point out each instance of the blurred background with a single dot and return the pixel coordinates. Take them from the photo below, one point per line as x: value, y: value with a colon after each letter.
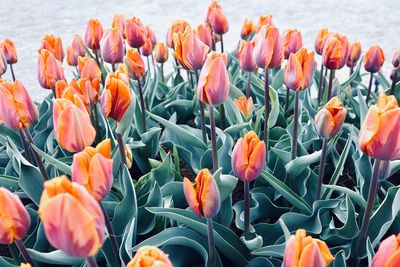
x: 26, y: 21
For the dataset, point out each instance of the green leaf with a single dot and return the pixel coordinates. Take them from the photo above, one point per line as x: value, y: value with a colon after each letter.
x: 56, y: 257
x: 61, y: 166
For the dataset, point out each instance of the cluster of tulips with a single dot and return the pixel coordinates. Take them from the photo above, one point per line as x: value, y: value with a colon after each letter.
x: 110, y: 72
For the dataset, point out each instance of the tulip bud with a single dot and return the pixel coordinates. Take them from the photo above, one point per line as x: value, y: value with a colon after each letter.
x: 335, y: 52
x: 75, y: 50
x: 248, y: 157
x: 147, y: 48
x: 3, y: 63
x: 396, y: 59
x: 49, y: 69
x: 135, y: 63
x: 160, y: 52
x: 264, y: 21
x: 214, y: 5
x: 93, y: 168
x: 245, y: 106
x: 15, y: 220
x: 388, y: 253
x: 93, y: 34
x: 54, y: 45
x: 204, y: 200
x: 292, y: 42
x: 9, y: 51
x: 190, y: 52
x: 116, y: 97
x: 151, y: 35
x: 218, y: 21
x: 245, y: 56
x: 62, y: 205
x: 89, y: 70
x: 203, y: 31
x: 72, y: 126
x: 268, y: 50
x: 300, y: 70
x: 177, y: 26
x: 374, y: 59
x: 112, y: 46
x: 305, y: 251
x: 354, y: 55
x: 135, y: 32
x: 248, y: 28
x: 149, y: 256
x: 119, y: 22
x: 17, y: 109
x: 320, y: 40
x: 25, y: 265
x: 129, y: 157
x: 379, y: 135
x: 82, y: 88
x: 213, y: 85
x: 329, y: 120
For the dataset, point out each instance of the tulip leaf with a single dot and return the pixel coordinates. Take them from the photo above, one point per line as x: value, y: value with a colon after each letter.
x: 56, y: 257
x: 53, y: 161
x: 271, y: 251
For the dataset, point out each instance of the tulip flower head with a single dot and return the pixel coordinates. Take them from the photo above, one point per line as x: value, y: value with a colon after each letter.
x: 135, y: 32
x: 299, y: 70
x: 305, y: 251
x: 248, y: 157
x: 8, y: 48
x: 3, y: 63
x: 149, y: 256
x: 88, y: 68
x: 213, y: 85
x: 64, y: 203
x: 354, y: 55
x: 74, y: 51
x: 54, y: 45
x: 49, y: 69
x: 15, y: 220
x: 177, y: 26
x: 329, y: 120
x: 81, y: 88
x: 374, y: 59
x: 151, y: 35
x: 147, y: 48
x: 335, y: 52
x: 245, y: 56
x: 135, y: 63
x: 380, y: 133
x: 204, y: 200
x: 93, y: 34
x: 214, y: 5
x: 112, y: 46
x: 160, y: 52
x: 263, y: 21
x: 203, y: 31
x: 320, y: 40
x: 388, y: 253
x: 292, y: 42
x: 396, y: 59
x: 248, y: 28
x: 268, y: 50
x: 245, y: 105
x: 129, y: 156
x: 119, y: 22
x: 218, y: 21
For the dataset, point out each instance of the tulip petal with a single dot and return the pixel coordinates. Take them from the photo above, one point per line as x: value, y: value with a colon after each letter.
x: 191, y: 196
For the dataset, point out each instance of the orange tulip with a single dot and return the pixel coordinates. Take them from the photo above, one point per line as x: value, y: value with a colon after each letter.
x: 245, y: 106
x: 248, y: 28
x: 147, y: 48
x: 17, y: 109
x: 93, y: 168
x: 388, y: 254
x: 149, y: 256
x: 264, y: 21
x: 329, y: 120
x: 245, y: 56
x: 213, y: 85
x: 54, y: 45
x: 320, y: 40
x: 190, y: 52
x: 248, y: 157
x: 396, y: 59
x: 299, y: 70
x: 380, y: 133
x: 218, y: 21
x: 9, y: 51
x: 93, y: 34
x: 203, y: 31
x: 82, y: 88
x: 72, y: 126
x: 292, y: 42
x: 135, y: 32
x: 15, y: 220
x: 177, y: 26
x: 374, y: 59
x: 25, y: 265
x: 3, y: 63
x: 49, y: 69
x: 129, y: 156
x: 151, y: 35
x: 112, y: 46
x: 160, y: 52
x: 354, y: 54
x: 305, y: 251
x: 74, y: 51
x: 214, y: 5
x: 116, y: 97
x: 135, y: 63
x: 204, y: 200
x: 72, y: 219
x: 119, y: 22
x: 336, y: 51
x: 89, y: 70
x: 268, y: 51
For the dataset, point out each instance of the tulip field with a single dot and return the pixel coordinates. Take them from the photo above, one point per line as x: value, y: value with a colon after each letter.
x: 171, y: 151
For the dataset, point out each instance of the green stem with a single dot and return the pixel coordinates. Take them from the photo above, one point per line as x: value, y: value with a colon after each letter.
x: 369, y: 88
x: 393, y: 83
x: 287, y: 99
x: 142, y: 107
x: 266, y: 105
x: 25, y: 145
x: 14, y: 253
x: 248, y: 85
x: 111, y: 234
x: 12, y: 71
x: 222, y: 44
x: 92, y: 262
x: 321, y: 76
x: 222, y: 116
x: 331, y: 77
x: 202, y: 116
x: 246, y: 209
x: 321, y: 169
x: 38, y: 160
x: 213, y: 139
x: 121, y: 148
x: 295, y: 125
x: 162, y: 73
x: 211, y: 244
x: 25, y: 255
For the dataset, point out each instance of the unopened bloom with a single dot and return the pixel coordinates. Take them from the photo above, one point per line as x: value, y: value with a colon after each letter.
x: 82, y: 88
x: 177, y: 26
x: 119, y: 22
x: 380, y: 133
x: 292, y: 42
x: 54, y: 45
x: 74, y: 51
x: 268, y: 50
x: 213, y: 85
x: 93, y: 34
x: 17, y: 109
x: 147, y: 48
x: 112, y: 46
x: 149, y: 256
x: 49, y: 69
x: 204, y: 200
x: 305, y: 251
x: 320, y: 40
x: 64, y: 205
x: 3, y: 63
x: 388, y: 254
x: 129, y: 156
x: 9, y: 51
x: 329, y: 120
x: 245, y: 106
x: 160, y: 52
x: 263, y: 21
x: 299, y: 70
x: 135, y: 63
x: 354, y: 54
x: 248, y: 28
x: 15, y: 220
x: 72, y: 126
x: 248, y: 157
x: 93, y: 168
x: 335, y: 52
x: 135, y: 32
x: 151, y: 35
x: 203, y: 31
x: 374, y: 59
x: 396, y: 59
x: 90, y: 70
x: 218, y: 21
